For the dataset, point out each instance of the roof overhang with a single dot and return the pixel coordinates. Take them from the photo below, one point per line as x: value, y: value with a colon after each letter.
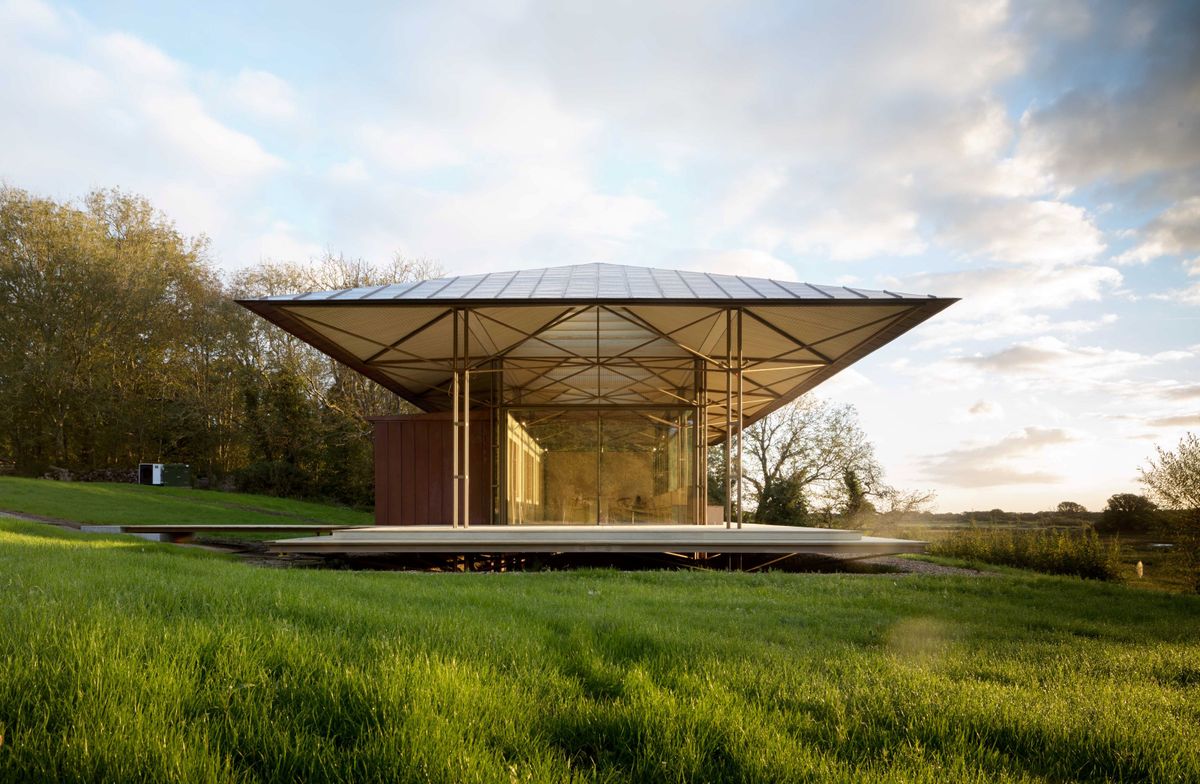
x: 606, y: 341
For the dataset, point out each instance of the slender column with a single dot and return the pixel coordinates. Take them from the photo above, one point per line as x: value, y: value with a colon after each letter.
x: 700, y: 433
x: 728, y: 416
x: 503, y: 469
x: 454, y: 467
x: 466, y: 424
x: 741, y: 390
x: 599, y: 426
x: 703, y: 436
x: 697, y: 466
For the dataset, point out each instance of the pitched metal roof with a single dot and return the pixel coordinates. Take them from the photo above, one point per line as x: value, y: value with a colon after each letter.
x: 593, y: 333
x: 598, y: 282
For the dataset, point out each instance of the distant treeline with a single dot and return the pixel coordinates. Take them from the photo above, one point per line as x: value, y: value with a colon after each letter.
x: 120, y: 342
x: 1123, y: 513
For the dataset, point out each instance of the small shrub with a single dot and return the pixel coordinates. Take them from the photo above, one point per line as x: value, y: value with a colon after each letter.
x: 1076, y: 552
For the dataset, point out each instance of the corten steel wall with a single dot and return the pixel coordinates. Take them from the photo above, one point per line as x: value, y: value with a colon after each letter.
x: 412, y: 469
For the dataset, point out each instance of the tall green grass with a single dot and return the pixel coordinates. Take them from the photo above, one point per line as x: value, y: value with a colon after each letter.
x: 122, y: 660
x: 1079, y: 552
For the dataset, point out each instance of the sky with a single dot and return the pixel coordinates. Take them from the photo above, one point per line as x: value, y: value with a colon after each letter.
x: 1039, y: 160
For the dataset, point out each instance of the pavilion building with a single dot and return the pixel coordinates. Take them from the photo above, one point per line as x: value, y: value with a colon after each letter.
x: 589, y: 394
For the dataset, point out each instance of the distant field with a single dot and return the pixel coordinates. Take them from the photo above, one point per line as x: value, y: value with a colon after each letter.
x: 123, y: 660
x: 114, y: 504
x: 1160, y: 573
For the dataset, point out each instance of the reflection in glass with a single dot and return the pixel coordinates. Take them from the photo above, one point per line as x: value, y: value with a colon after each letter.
x: 613, y: 465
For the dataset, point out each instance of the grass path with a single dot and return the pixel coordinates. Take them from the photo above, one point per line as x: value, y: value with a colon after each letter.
x: 131, y: 661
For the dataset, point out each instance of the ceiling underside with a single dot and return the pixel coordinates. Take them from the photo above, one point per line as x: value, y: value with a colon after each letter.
x: 596, y: 353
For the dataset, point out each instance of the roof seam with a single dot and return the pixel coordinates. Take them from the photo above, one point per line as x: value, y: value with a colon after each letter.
x: 686, y: 285
x: 654, y: 279
x: 751, y: 286
x: 717, y: 284
x: 820, y: 291
x: 442, y: 287
x: 478, y: 283
x: 503, y: 288
x: 538, y: 284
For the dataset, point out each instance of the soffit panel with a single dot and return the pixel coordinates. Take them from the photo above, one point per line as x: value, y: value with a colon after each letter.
x: 381, y: 325
x: 813, y: 325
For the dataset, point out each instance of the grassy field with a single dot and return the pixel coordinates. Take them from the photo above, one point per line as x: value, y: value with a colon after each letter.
x: 123, y: 660
x: 115, y: 504
x: 1160, y: 572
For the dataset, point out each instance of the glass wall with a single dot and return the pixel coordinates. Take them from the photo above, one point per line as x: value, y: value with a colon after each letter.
x: 600, y: 465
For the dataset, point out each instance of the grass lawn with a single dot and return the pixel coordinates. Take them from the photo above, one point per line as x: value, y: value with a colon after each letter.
x: 115, y: 504
x: 122, y: 660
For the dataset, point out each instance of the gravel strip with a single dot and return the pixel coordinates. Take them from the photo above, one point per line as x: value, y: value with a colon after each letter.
x: 915, y: 566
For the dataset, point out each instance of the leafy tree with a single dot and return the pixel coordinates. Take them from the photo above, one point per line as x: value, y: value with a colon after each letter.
x: 783, y: 503
x: 815, y: 445
x: 304, y: 408
x: 716, y: 477
x: 857, y: 507
x: 1071, y: 508
x: 1173, y: 477
x: 100, y: 340
x: 1128, y: 512
x: 856, y: 497
x: 120, y: 342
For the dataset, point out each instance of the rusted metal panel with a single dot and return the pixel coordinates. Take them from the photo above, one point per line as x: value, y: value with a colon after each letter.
x: 381, y: 484
x: 413, y: 484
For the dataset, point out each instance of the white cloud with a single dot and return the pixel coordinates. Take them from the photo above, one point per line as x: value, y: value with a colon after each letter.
x: 1179, y: 391
x: 30, y: 17
x: 1113, y: 130
x: 1175, y: 232
x: 263, y: 94
x: 753, y: 263
x: 1022, y: 232
x: 1174, y: 421
x: 283, y: 242
x: 1052, y: 360
x: 986, y: 409
x: 349, y: 171
x: 87, y: 108
x: 1009, y: 461
x: 409, y: 148
x: 843, y: 236
x: 1005, y: 302
x: 1188, y: 295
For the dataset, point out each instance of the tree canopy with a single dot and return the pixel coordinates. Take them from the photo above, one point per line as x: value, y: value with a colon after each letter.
x: 120, y: 343
x: 1128, y: 512
x: 1173, y: 478
x: 811, y: 460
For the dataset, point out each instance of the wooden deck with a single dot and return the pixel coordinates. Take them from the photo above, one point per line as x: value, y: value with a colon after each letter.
x: 510, y: 539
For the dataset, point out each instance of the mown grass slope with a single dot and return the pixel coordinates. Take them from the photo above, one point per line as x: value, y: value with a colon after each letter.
x: 129, y: 661
x: 115, y: 504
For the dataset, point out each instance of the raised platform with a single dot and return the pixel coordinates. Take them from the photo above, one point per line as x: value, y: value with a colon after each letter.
x: 509, y: 539
x: 180, y: 532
